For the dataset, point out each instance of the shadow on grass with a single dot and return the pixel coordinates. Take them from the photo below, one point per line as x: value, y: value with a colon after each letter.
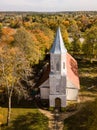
x: 30, y: 121
x: 88, y: 70
x: 87, y: 67
x: 85, y: 119
x: 88, y: 82
x: 21, y: 104
x: 87, y: 64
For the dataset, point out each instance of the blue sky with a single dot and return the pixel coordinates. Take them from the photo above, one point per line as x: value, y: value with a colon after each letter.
x: 48, y: 5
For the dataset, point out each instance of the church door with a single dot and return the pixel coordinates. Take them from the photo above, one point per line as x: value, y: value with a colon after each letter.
x: 58, y: 103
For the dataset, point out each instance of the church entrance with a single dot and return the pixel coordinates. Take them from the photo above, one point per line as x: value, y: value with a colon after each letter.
x: 58, y: 103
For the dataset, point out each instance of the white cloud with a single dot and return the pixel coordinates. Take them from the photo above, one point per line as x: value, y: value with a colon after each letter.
x: 48, y: 5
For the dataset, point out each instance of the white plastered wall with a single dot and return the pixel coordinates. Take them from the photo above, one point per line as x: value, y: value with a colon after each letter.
x: 71, y: 91
x: 44, y: 90
x: 44, y: 93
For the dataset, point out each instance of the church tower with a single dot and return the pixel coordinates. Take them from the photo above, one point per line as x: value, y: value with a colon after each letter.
x: 58, y: 71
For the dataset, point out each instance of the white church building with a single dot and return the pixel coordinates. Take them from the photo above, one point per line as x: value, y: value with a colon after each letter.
x: 60, y: 81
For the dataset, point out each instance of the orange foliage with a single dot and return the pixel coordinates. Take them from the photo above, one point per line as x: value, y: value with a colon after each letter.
x: 7, y: 35
x: 42, y: 38
x: 66, y: 23
x: 8, y: 31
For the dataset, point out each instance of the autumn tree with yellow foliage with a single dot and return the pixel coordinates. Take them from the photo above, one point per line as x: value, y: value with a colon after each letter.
x: 13, y: 66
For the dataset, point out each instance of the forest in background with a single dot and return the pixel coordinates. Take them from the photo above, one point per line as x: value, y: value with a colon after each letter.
x: 25, y: 40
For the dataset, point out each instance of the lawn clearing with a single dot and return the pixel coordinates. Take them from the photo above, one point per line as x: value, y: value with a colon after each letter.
x: 25, y: 119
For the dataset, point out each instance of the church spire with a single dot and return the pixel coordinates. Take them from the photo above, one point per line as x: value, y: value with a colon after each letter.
x: 58, y: 45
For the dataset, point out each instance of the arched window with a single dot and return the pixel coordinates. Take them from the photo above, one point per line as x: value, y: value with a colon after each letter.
x: 52, y: 67
x: 58, y: 85
x: 57, y: 88
x: 57, y: 66
x: 63, y: 65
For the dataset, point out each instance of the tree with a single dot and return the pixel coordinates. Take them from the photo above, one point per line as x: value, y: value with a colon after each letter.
x: 90, y: 44
x: 24, y: 41
x: 7, y: 35
x: 43, y: 37
x: 75, y: 34
x: 13, y: 66
x: 0, y: 30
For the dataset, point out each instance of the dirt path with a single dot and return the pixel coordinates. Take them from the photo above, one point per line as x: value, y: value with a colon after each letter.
x: 56, y: 121
x: 50, y: 116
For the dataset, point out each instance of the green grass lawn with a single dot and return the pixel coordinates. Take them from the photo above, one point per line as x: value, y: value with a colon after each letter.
x: 24, y: 119
x: 85, y: 119
x: 87, y: 74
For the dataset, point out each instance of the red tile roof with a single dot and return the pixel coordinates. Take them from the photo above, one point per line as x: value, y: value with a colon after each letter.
x: 45, y: 75
x: 72, y: 70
